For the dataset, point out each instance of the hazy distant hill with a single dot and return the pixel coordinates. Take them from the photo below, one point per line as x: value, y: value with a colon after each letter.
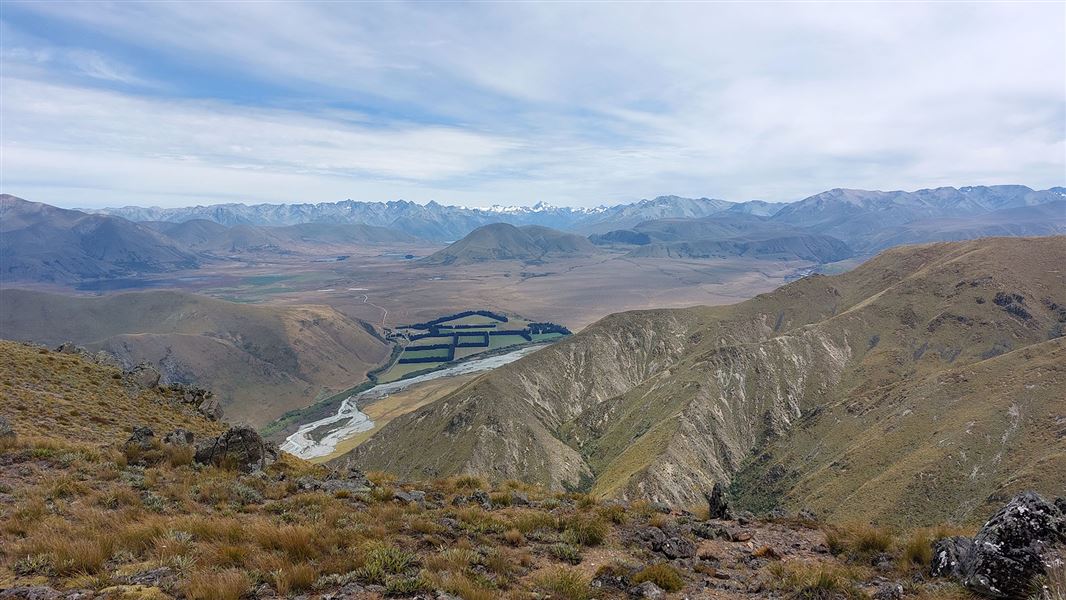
x: 1031, y: 220
x: 856, y: 216
x: 814, y: 248
x: 726, y: 235
x: 200, y: 235
x: 39, y: 242
x: 261, y: 360
x: 42, y: 243
x: 501, y: 241
x: 923, y: 386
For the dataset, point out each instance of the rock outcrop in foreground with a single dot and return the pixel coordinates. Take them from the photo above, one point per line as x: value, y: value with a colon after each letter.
x: 1018, y: 544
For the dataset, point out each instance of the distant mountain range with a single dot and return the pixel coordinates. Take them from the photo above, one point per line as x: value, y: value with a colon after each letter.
x: 43, y: 243
x: 438, y: 222
x: 848, y: 215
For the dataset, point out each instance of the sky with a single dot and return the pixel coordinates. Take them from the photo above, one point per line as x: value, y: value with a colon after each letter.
x: 573, y: 104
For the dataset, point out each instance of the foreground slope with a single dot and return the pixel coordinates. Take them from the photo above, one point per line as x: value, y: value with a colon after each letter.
x: 185, y: 510
x: 660, y: 404
x: 261, y: 360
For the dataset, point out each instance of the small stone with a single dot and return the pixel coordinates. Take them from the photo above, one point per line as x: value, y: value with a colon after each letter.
x: 519, y: 499
x: 710, y: 531
x: 660, y: 507
x: 722, y: 575
x: 741, y: 536
x: 411, y: 497
x: 889, y: 591
x: 34, y: 592
x: 179, y: 437
x: 677, y: 547
x: 7, y: 432
x: 647, y: 590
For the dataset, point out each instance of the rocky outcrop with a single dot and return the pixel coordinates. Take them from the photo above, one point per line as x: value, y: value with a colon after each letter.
x: 1005, y: 556
x: 204, y: 400
x: 144, y: 375
x: 143, y: 438
x: 717, y: 506
x: 239, y: 448
x: 211, y: 408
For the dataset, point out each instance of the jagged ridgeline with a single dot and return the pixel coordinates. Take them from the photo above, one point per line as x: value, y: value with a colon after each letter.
x: 924, y: 385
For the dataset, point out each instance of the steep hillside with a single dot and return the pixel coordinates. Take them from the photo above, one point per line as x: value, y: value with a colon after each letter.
x: 47, y: 392
x: 501, y: 241
x: 39, y: 242
x: 658, y: 404
x: 109, y: 489
x: 261, y: 360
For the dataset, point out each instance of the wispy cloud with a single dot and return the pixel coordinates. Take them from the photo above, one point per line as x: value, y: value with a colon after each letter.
x: 570, y: 103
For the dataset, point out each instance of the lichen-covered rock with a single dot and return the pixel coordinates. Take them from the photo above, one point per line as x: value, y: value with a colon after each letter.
x: 949, y: 556
x: 1008, y: 552
x: 240, y: 447
x: 677, y: 547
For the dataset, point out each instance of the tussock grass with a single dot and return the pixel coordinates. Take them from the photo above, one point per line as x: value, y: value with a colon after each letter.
x: 662, y: 575
x: 562, y: 583
x: 227, y: 584
x: 817, y: 581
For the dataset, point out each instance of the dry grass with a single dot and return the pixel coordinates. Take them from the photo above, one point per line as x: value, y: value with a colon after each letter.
x: 562, y: 583
x: 662, y: 575
x: 817, y: 580
x: 82, y: 514
x: 227, y: 584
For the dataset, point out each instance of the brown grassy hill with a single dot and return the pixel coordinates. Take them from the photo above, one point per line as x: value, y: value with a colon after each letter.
x: 502, y: 241
x: 64, y: 395
x: 83, y: 517
x: 923, y: 367
x: 260, y: 360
